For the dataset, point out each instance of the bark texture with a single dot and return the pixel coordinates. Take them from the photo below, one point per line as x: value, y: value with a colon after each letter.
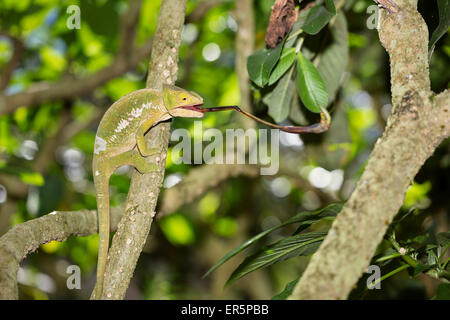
x: 420, y: 120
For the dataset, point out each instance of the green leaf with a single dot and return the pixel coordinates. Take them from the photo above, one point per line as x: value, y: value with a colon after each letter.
x: 443, y: 239
x: 443, y: 292
x: 444, y: 24
x: 279, y: 100
x: 287, y: 290
x: 295, y: 31
x: 311, y: 87
x: 298, y: 245
x: 32, y: 178
x: 286, y: 60
x: 421, y: 268
x: 261, y: 63
x: 319, y: 16
x: 333, y: 60
x: 306, y: 218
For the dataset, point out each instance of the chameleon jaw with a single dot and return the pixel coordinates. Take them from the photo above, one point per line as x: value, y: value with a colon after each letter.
x: 194, y: 107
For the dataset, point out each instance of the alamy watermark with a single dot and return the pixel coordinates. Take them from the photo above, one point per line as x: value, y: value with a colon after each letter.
x: 74, y: 280
x: 372, y: 21
x: 228, y: 148
x: 374, y: 280
x: 74, y: 19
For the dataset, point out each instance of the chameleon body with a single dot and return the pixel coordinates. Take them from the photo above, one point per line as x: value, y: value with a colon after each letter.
x: 120, y: 141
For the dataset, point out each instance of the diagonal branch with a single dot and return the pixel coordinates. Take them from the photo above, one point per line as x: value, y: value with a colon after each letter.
x: 26, y: 237
x: 417, y: 125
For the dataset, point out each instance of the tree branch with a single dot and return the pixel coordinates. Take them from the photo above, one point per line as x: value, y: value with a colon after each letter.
x: 26, y: 237
x: 17, y: 55
x: 134, y: 227
x: 413, y: 131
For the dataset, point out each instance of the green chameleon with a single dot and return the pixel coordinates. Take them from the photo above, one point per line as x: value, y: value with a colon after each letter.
x: 120, y: 141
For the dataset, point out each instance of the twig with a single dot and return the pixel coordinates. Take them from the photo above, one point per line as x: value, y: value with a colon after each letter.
x: 418, y: 123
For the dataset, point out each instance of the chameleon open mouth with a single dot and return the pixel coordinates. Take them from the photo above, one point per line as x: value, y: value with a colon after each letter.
x: 194, y: 107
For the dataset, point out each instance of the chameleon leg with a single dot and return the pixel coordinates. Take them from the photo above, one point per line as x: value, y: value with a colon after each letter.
x: 101, y: 181
x: 141, y: 164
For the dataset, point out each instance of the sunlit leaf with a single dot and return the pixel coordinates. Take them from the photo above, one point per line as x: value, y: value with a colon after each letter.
x: 32, y: 178
x: 225, y: 227
x: 178, y: 230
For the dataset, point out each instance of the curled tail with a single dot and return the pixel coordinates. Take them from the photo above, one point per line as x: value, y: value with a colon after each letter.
x: 101, y: 182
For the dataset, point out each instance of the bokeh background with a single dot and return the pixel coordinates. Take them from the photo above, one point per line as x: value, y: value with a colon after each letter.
x: 46, y: 151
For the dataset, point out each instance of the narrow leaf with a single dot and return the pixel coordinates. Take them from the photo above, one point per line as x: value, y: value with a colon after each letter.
x: 444, y: 24
x: 287, y: 290
x: 306, y: 218
x: 298, y: 245
x: 286, y: 60
x: 32, y: 178
x: 311, y: 87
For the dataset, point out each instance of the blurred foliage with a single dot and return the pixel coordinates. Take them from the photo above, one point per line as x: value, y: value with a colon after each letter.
x: 316, y: 170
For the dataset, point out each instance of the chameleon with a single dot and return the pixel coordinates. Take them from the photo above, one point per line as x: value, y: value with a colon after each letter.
x: 389, y: 5
x: 120, y: 141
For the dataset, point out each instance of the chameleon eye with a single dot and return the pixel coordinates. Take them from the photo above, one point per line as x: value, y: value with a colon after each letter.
x: 184, y: 99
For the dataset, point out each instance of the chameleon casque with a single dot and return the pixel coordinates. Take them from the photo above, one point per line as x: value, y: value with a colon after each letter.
x: 120, y: 141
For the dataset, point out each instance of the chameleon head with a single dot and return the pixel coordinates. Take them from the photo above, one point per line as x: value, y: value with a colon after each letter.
x: 182, y: 103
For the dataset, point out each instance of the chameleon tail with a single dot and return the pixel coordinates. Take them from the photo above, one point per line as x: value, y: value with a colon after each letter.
x: 101, y: 183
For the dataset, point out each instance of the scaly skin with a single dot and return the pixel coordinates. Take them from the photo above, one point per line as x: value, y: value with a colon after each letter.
x: 120, y: 141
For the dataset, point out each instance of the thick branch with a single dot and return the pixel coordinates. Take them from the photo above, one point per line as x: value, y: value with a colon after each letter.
x: 205, y: 177
x: 413, y: 132
x: 26, y: 237
x: 127, y: 58
x: 135, y: 225
x: 8, y: 70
